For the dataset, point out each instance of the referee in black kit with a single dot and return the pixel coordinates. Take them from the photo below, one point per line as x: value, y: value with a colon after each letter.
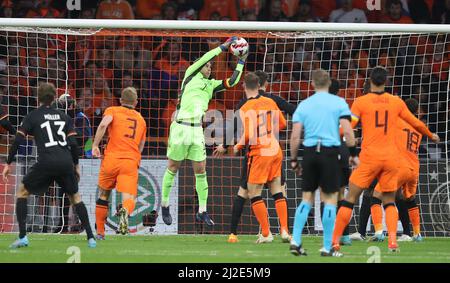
x: 320, y: 116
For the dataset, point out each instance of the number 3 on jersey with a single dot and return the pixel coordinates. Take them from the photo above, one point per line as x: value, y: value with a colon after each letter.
x: 60, y: 133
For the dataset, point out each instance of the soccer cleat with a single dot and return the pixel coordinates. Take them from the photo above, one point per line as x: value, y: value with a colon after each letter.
x: 261, y: 239
x: 167, y: 218
x: 332, y: 253
x: 20, y: 243
x: 100, y: 237
x: 204, y: 217
x: 92, y: 243
x: 345, y: 241
x: 404, y: 238
x: 377, y: 237
x: 393, y: 248
x: 123, y: 221
x: 297, y: 250
x: 285, y: 236
x: 357, y: 237
x: 417, y: 238
x: 232, y: 238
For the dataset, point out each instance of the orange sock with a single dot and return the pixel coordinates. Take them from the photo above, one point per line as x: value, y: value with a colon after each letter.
x: 260, y: 210
x: 101, y: 213
x: 377, y: 217
x: 414, y: 217
x: 342, y: 219
x: 281, y: 207
x: 129, y: 205
x: 391, y: 221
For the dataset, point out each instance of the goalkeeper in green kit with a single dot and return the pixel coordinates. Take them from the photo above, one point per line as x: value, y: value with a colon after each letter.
x: 186, y: 137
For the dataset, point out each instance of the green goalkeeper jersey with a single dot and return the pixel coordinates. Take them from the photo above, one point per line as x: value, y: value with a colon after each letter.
x: 197, y: 91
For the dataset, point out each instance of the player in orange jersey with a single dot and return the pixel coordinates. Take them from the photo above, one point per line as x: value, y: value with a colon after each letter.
x: 378, y: 113
x: 261, y: 119
x: 408, y: 143
x: 119, y: 168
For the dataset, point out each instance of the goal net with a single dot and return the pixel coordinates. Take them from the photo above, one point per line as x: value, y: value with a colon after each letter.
x: 94, y: 65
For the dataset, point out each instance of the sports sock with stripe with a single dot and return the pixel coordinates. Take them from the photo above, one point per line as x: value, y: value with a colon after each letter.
x: 301, y: 216
x: 282, y: 210
x: 260, y: 210
x: 414, y: 216
x: 391, y: 221
x: 236, y: 212
x: 328, y: 220
x: 101, y: 213
x: 201, y: 186
x: 377, y: 214
x: 167, y: 184
x: 342, y: 219
x: 403, y: 215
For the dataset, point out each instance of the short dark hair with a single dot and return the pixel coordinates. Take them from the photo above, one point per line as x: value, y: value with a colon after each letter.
x: 46, y: 93
x: 334, y: 87
x: 263, y: 77
x: 378, y: 76
x: 366, y: 87
x: 412, y: 104
x: 251, y: 81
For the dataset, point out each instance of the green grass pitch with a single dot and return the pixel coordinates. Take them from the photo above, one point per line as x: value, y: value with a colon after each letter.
x: 208, y: 248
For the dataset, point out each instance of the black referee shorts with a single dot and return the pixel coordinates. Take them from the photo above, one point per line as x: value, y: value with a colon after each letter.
x: 321, y: 169
x: 244, y: 173
x: 42, y: 175
x: 345, y: 172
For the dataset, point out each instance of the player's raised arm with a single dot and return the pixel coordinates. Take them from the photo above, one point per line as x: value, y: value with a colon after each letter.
x: 6, y: 124
x: 208, y: 56
x: 406, y: 115
x: 101, y: 130
x: 234, y: 79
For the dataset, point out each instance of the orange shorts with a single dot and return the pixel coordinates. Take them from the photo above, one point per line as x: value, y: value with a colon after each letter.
x: 121, y: 174
x: 409, y: 185
x: 263, y: 169
x: 386, y: 171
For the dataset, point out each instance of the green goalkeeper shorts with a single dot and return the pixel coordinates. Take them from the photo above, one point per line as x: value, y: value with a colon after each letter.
x: 186, y: 142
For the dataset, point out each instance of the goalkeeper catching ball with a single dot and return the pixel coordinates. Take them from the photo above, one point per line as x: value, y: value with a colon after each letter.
x: 186, y: 138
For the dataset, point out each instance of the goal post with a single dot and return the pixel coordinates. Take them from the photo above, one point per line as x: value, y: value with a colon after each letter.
x: 92, y: 60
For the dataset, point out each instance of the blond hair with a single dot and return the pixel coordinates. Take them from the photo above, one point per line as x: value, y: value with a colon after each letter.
x: 129, y: 95
x: 321, y: 78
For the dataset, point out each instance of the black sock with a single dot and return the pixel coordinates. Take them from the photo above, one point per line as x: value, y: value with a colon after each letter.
x: 21, y: 214
x: 364, y: 214
x: 238, y: 206
x: 81, y: 211
x: 404, y: 216
x: 346, y: 230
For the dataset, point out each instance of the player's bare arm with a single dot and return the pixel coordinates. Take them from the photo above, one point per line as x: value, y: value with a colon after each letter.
x: 295, y: 143
x: 101, y: 130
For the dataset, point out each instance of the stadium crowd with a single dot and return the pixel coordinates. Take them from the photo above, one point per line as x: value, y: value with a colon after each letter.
x: 94, y: 69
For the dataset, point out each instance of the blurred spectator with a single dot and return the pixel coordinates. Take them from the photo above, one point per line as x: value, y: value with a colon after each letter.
x: 44, y: 10
x: 289, y: 7
x: 248, y: 15
x: 273, y: 12
x: 188, y: 9
x: 395, y: 13
x: 441, y: 12
x: 6, y: 9
x: 347, y: 14
x: 171, y: 60
x: 146, y: 9
x: 115, y: 9
x: 249, y: 7
x: 223, y: 7
x: 87, y: 13
x: 121, y: 83
x: 305, y: 13
x: 419, y: 11
x: 169, y: 11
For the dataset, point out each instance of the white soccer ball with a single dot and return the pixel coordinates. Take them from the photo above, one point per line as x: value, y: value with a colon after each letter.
x: 239, y: 48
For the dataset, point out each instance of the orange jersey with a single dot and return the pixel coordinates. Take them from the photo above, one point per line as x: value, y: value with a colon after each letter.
x: 408, y: 141
x: 379, y: 115
x: 126, y: 131
x: 261, y: 119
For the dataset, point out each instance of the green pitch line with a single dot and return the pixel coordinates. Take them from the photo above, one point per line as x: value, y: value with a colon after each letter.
x: 207, y: 248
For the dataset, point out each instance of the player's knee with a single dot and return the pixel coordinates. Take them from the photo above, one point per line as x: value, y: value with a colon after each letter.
x: 104, y: 194
x: 22, y: 191
x: 75, y: 198
x: 375, y: 201
x: 243, y: 193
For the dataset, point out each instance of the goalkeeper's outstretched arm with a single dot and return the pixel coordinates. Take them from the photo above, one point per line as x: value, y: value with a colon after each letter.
x: 193, y: 69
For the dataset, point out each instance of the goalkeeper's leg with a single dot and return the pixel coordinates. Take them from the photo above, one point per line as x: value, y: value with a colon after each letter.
x: 168, y: 180
x: 201, y: 186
